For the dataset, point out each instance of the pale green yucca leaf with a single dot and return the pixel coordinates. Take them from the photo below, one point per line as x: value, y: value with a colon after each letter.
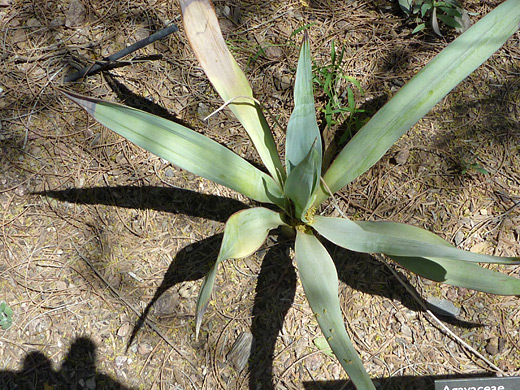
x: 454, y: 272
x: 395, y: 239
x: 320, y: 283
x: 302, y: 182
x: 302, y: 130
x: 244, y: 233
x: 205, y: 36
x: 420, y: 94
x: 461, y: 274
x: 183, y: 147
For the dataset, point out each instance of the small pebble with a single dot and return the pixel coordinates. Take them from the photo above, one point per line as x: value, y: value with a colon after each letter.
x: 402, y: 156
x: 458, y: 238
x: 144, y: 348
x: 492, y: 346
x: 133, y: 349
x: 91, y: 384
x: 76, y: 15
x: 124, y: 330
x: 33, y: 22
x: 120, y: 360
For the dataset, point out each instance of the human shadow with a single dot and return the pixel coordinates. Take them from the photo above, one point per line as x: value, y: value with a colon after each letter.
x: 77, y: 371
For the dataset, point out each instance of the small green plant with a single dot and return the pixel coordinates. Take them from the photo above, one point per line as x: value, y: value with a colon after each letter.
x: 450, y: 12
x: 329, y: 78
x: 297, y: 188
x: 466, y: 166
x: 6, y: 315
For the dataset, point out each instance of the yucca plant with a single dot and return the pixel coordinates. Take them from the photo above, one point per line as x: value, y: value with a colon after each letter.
x: 298, y: 188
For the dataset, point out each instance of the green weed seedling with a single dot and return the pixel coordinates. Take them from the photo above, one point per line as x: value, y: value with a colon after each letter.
x: 6, y: 315
x: 297, y: 187
x: 330, y: 79
x: 472, y: 166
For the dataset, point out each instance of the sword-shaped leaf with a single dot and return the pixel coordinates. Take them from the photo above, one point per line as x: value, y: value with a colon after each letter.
x: 320, y: 283
x: 302, y: 183
x: 420, y: 94
x: 461, y: 274
x: 244, y: 233
x: 454, y: 272
x: 183, y: 147
x: 395, y: 239
x: 203, y: 31
x: 302, y: 130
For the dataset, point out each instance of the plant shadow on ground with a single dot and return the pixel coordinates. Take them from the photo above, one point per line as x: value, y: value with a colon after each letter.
x: 131, y: 99
x: 77, y: 371
x: 276, y: 286
x: 188, y: 264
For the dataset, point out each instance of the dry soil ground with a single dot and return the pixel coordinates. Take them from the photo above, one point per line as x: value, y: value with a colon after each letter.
x: 103, y: 246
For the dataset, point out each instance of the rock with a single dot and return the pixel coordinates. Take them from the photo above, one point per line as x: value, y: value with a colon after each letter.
x: 61, y: 285
x: 21, y: 190
x: 120, y: 360
x: 141, y: 33
x: 240, y: 351
x: 492, y: 346
x: 19, y: 37
x: 90, y: 384
x: 33, y: 22
x: 76, y: 15
x: 458, y: 238
x: 144, y: 348
x: 273, y: 52
x: 124, y: 330
x: 187, y: 290
x: 133, y: 347
x: 167, y: 304
x: 227, y: 26
x: 282, y: 82
x: 203, y: 110
x: 314, y: 362
x: 402, y: 156
x: 480, y: 247
x: 442, y: 307
x: 57, y: 22
x: 406, y: 331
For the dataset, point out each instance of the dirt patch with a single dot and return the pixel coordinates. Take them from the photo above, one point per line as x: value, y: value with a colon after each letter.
x: 103, y: 246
